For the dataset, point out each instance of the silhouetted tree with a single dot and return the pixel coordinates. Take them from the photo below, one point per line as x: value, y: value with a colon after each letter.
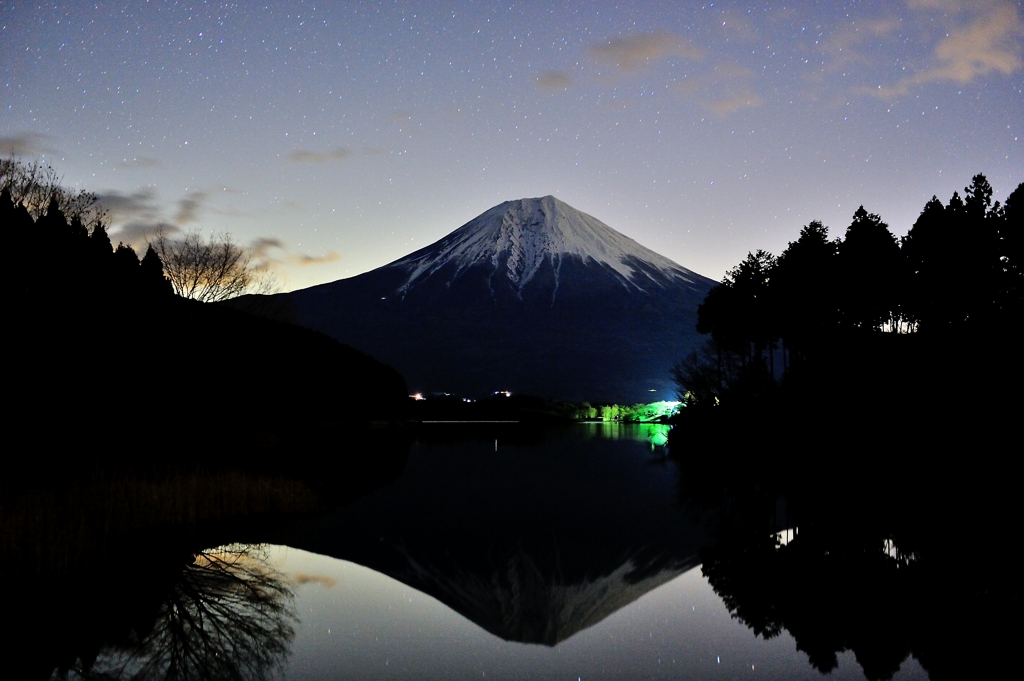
x: 99, y: 243
x: 209, y: 269
x: 152, y: 274
x: 980, y: 248
x: 871, y: 274
x: 1011, y: 241
x: 228, y: 615
x: 803, y: 283
x: 36, y: 185
x: 699, y: 383
x: 737, y: 313
x: 929, y: 251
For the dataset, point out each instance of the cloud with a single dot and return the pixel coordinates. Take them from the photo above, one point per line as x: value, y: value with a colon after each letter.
x: 990, y: 44
x: 23, y: 144
x: 141, y: 162
x: 723, y: 89
x: 842, y: 47
x: 304, y: 260
x: 740, y: 100
x: 322, y: 580
x: 304, y: 156
x: 640, y: 49
x: 140, y: 204
x: 945, y: 5
x: 188, y: 208
x: 261, y: 245
x: 261, y: 249
x: 137, y: 234
x: 550, y: 81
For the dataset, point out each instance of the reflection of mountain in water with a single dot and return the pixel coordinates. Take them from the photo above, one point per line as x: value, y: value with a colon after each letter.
x: 532, y: 543
x: 525, y: 603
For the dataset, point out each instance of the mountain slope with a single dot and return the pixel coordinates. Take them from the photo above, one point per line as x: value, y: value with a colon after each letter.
x: 531, y: 296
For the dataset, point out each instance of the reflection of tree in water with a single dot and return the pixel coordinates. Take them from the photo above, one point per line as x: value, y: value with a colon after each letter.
x: 846, y: 593
x: 879, y: 566
x: 229, y: 615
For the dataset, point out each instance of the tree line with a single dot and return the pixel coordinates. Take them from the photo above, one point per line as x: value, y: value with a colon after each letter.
x: 205, y: 268
x: 958, y: 271
x: 103, y: 351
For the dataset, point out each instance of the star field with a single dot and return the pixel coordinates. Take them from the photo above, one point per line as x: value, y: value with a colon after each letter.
x: 340, y: 136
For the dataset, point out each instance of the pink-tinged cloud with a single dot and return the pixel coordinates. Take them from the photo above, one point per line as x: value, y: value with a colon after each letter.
x: 740, y: 100
x: 641, y: 49
x: 304, y: 260
x: 550, y: 81
x: 23, y: 144
x: 991, y: 44
x: 304, y: 156
x: 261, y: 249
x: 843, y: 47
x: 322, y: 580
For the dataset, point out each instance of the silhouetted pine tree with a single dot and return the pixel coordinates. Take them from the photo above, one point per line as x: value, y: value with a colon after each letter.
x: 803, y: 290
x: 152, y: 277
x: 871, y: 276
x: 929, y: 252
x: 99, y: 244
x: 1011, y: 241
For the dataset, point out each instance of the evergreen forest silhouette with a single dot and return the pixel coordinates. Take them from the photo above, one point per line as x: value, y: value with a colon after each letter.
x: 867, y: 340
x: 106, y: 359
x: 861, y: 393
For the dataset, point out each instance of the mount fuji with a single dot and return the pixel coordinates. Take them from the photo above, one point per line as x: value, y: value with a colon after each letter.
x: 533, y: 296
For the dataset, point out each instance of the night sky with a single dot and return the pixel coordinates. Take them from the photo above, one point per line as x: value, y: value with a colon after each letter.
x: 338, y: 136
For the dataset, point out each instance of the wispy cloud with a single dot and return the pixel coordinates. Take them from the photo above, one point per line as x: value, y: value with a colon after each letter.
x: 550, y: 81
x: 137, y: 216
x: 138, y: 234
x: 273, y: 252
x: 304, y: 259
x: 139, y: 205
x: 322, y: 580
x: 734, y: 102
x: 723, y: 89
x: 844, y: 47
x: 24, y: 144
x: 189, y: 207
x: 641, y: 49
x: 945, y: 5
x: 305, y: 156
x: 263, y: 245
x: 992, y: 43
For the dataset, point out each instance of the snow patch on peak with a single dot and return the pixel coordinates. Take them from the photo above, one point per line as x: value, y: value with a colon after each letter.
x: 516, y: 238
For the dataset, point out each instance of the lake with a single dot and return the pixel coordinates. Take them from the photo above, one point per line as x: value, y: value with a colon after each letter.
x: 501, y: 552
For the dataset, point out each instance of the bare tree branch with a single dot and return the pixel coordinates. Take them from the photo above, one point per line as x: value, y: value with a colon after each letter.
x: 210, y: 269
x: 35, y: 184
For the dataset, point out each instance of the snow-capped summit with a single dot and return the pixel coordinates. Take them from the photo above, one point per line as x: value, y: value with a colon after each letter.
x: 531, y: 296
x: 517, y: 238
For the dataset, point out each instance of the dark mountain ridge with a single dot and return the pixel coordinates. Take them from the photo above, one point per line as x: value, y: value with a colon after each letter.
x: 531, y: 296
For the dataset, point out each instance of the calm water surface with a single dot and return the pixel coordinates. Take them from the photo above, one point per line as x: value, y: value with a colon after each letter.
x: 508, y: 556
x: 356, y: 623
x: 578, y: 552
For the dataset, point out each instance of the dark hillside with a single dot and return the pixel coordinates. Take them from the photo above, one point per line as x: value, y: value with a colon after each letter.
x: 103, y: 358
